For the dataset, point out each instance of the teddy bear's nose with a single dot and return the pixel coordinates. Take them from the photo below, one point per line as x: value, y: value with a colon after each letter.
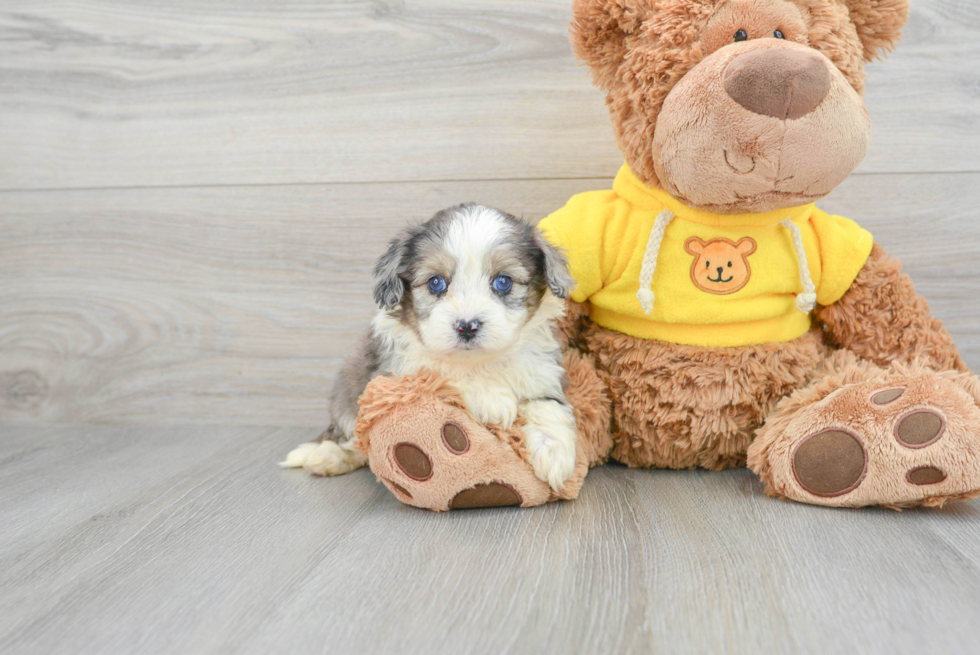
x: 778, y: 82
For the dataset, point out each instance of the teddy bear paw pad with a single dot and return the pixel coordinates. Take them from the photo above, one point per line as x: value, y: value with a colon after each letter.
x: 830, y: 463
x: 435, y: 456
x: 920, y: 428
x: 887, y: 396
x: 412, y: 461
x: 490, y: 494
x: 913, y: 442
x: 923, y: 475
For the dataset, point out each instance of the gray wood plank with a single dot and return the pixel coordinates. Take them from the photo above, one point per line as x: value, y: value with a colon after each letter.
x: 205, y: 546
x: 833, y: 582
x: 236, y: 306
x: 96, y: 93
x: 35, y: 496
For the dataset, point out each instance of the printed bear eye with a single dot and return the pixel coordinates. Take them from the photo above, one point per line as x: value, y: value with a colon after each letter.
x: 707, y: 264
x: 437, y: 284
x: 729, y: 264
x: 502, y: 284
x: 778, y: 34
x: 741, y: 35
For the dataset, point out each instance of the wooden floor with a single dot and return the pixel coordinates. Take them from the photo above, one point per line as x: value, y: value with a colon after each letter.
x: 186, y: 540
x: 192, y: 194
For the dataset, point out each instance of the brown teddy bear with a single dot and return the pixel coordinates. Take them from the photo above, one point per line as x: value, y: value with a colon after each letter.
x: 720, y: 318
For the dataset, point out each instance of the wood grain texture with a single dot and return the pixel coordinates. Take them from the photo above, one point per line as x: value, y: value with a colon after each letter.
x: 192, y: 194
x: 187, y: 539
x: 100, y: 93
x: 237, y: 306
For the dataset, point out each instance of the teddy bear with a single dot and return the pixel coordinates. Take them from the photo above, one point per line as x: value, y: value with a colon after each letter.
x: 720, y: 318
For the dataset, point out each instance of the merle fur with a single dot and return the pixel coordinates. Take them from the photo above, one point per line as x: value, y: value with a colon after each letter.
x: 393, y: 275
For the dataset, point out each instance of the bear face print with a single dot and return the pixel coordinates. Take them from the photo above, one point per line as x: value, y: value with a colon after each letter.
x: 720, y: 266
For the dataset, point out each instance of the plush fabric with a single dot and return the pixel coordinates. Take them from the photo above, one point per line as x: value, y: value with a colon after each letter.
x: 732, y: 115
x: 712, y: 151
x: 402, y: 429
x: 605, y: 237
x: 878, y: 23
x: 881, y: 318
x: 680, y: 407
x: 413, y: 413
x: 638, y: 50
x: 842, y: 399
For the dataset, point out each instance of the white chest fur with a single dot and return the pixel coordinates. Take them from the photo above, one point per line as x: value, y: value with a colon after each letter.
x: 492, y: 387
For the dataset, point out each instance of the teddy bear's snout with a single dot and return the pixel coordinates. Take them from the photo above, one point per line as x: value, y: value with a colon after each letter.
x: 778, y: 82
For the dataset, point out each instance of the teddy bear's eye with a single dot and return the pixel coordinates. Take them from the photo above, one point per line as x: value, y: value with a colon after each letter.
x: 741, y: 35
x: 729, y: 264
x: 707, y: 264
x: 778, y: 34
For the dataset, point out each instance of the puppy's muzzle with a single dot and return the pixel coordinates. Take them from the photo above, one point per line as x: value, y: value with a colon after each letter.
x: 467, y: 330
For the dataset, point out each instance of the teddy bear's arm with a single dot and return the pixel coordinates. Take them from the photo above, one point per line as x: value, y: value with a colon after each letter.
x: 571, y: 328
x: 883, y: 319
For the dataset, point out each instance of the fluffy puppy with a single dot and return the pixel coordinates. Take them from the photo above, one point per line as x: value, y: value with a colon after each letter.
x: 472, y: 294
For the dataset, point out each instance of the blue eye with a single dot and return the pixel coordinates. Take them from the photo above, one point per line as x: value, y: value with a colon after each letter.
x: 437, y: 284
x: 502, y: 284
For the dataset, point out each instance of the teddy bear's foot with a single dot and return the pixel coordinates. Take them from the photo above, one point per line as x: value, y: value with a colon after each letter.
x: 900, y: 439
x: 431, y: 453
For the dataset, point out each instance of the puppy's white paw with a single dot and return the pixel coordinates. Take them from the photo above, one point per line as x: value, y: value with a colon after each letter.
x: 297, y: 455
x: 490, y: 407
x: 552, y: 457
x: 325, y: 458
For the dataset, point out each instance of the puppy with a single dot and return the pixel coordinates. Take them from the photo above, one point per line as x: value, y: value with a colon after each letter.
x: 472, y: 294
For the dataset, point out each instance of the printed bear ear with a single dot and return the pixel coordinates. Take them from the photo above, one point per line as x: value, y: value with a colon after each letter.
x: 879, y: 24
x: 694, y: 246
x: 745, y: 246
x: 598, y: 34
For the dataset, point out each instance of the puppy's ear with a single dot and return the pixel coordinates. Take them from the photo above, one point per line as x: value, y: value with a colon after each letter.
x: 556, y: 274
x: 389, y: 287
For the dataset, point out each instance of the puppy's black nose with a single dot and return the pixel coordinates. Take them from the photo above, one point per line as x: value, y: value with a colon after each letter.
x: 468, y: 329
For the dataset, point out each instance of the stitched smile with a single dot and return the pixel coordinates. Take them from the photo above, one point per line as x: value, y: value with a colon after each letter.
x: 741, y: 163
x: 719, y: 280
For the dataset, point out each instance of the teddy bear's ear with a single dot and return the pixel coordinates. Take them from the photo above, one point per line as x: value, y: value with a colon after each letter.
x: 879, y: 24
x: 598, y: 33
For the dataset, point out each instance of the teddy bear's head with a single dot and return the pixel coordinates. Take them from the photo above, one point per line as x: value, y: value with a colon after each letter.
x: 737, y: 105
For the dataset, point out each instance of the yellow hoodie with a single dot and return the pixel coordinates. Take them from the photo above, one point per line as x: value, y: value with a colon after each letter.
x: 709, y: 279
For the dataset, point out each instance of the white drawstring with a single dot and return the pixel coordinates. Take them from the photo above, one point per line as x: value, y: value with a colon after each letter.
x: 645, y: 294
x: 807, y: 300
